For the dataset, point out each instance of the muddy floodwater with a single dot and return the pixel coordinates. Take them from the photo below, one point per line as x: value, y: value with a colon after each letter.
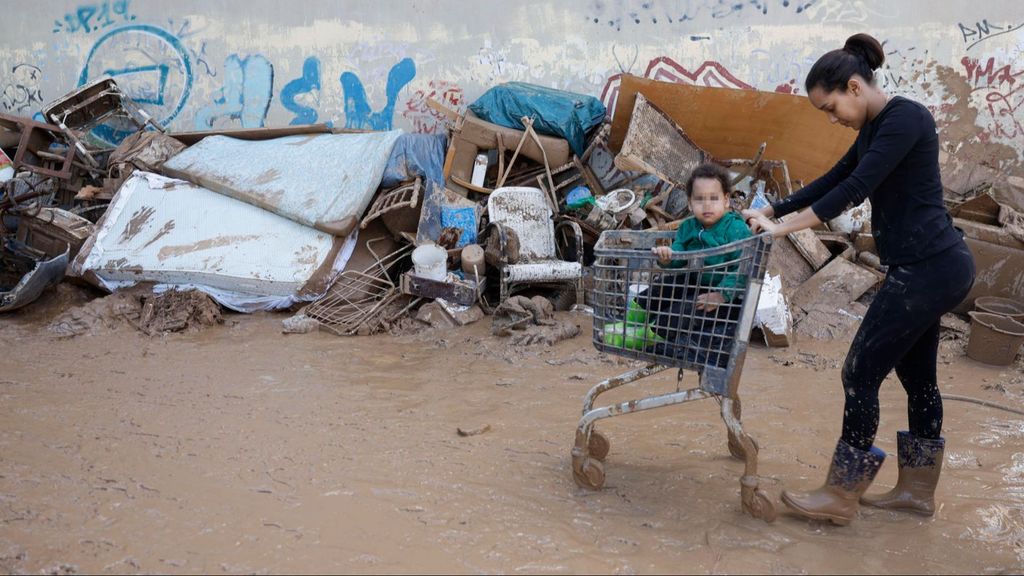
x: 238, y: 449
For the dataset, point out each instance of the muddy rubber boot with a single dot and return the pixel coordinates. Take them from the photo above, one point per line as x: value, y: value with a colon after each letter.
x: 920, y: 461
x: 850, y: 474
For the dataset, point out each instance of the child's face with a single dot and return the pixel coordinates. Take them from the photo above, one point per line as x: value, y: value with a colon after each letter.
x: 708, y: 201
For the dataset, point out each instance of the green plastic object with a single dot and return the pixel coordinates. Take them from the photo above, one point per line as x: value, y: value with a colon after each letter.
x: 581, y: 203
x: 634, y: 333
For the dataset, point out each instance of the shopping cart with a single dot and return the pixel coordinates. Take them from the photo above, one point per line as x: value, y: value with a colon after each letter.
x: 648, y: 312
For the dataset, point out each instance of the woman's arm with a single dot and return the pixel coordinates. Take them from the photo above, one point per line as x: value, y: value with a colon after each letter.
x: 761, y: 223
x: 809, y: 194
x: 897, y: 134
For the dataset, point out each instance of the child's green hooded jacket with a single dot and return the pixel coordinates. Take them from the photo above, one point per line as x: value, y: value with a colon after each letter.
x: 691, y: 236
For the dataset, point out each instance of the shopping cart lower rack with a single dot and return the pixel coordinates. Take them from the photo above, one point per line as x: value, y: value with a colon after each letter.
x: 652, y: 313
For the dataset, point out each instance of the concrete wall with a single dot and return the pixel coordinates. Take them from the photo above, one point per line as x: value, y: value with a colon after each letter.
x: 372, y: 64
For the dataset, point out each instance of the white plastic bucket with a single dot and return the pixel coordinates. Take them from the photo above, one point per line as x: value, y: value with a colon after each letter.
x: 430, y: 261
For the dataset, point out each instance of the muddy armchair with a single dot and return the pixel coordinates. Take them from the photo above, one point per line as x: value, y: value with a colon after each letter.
x: 524, y: 234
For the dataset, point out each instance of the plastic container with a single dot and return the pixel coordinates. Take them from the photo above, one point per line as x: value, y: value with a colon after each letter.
x: 577, y: 195
x: 479, y: 170
x: 473, y: 257
x: 1001, y: 306
x: 994, y: 339
x: 430, y: 261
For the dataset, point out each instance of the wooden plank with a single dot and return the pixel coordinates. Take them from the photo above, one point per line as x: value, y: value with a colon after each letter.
x: 834, y: 286
x: 730, y: 123
x: 190, y: 138
x: 809, y: 246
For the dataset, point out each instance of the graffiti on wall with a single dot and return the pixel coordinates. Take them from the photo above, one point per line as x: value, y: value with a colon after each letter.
x: 850, y: 11
x: 665, y: 69
x: 302, y: 95
x: 159, y: 71
x: 1000, y: 89
x: 245, y: 95
x: 974, y: 34
x: 21, y: 91
x: 358, y: 113
x: 92, y: 17
x: 619, y: 14
x: 425, y: 119
x: 151, y: 65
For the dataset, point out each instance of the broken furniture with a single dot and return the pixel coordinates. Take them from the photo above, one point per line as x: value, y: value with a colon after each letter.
x: 78, y: 112
x: 358, y: 302
x: 713, y: 345
x: 398, y: 208
x: 654, y: 144
x: 53, y: 231
x: 25, y: 272
x: 525, y: 212
x: 471, y: 136
x: 730, y: 123
x: 461, y: 292
x: 34, y: 144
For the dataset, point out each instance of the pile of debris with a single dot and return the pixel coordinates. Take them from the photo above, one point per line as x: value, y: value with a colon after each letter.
x: 362, y: 232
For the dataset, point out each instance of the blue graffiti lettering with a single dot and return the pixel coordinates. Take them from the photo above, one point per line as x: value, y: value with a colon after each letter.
x: 309, y: 84
x: 82, y: 19
x: 150, y: 65
x: 149, y: 93
x: 245, y: 96
x: 357, y: 110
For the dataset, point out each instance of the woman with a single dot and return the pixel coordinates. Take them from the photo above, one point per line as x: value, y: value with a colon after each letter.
x: 894, y: 162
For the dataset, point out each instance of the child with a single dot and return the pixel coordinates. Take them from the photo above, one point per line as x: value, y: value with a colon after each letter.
x: 680, y: 312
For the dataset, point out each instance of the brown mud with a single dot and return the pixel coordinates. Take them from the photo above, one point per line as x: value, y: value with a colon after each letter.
x: 237, y: 449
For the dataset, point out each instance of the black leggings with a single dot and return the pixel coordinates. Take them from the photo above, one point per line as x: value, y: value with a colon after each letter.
x: 901, y: 331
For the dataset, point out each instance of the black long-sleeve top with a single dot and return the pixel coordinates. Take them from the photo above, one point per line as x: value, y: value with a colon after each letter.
x: 895, y: 163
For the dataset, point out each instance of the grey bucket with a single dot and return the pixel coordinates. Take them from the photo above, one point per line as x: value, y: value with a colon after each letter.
x: 1000, y: 306
x: 994, y: 339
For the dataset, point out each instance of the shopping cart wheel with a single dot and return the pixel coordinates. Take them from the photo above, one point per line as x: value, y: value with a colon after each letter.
x: 755, y: 502
x: 588, y: 473
x: 765, y: 507
x: 599, y: 446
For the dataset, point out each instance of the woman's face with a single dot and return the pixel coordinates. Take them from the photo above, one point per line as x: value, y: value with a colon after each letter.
x: 847, y: 107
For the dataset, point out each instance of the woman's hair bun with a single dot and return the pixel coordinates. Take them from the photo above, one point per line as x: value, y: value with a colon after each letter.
x: 866, y: 47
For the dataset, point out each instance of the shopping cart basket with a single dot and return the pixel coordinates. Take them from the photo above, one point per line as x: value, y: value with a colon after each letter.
x: 648, y: 312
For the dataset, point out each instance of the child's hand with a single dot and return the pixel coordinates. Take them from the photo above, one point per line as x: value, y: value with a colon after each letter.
x: 664, y: 254
x: 709, y: 302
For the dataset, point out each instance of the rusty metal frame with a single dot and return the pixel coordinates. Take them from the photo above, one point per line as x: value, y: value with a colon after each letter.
x: 358, y: 299
x: 37, y: 137
x: 92, y: 104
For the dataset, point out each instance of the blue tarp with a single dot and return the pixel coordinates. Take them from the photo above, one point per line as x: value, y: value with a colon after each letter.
x: 554, y: 112
x: 416, y: 155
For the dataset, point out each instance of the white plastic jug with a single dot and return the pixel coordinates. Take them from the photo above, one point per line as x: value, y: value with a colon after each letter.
x: 430, y: 261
